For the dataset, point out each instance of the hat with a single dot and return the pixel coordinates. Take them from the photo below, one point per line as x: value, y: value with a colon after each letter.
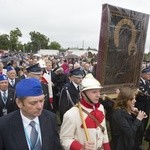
x: 3, y: 77
x: 29, y: 87
x: 146, y: 70
x: 76, y: 72
x: 9, y: 68
x: 35, y: 69
x: 89, y: 82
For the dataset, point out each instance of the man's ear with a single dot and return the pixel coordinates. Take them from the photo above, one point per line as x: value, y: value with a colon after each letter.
x: 19, y: 103
x: 82, y: 94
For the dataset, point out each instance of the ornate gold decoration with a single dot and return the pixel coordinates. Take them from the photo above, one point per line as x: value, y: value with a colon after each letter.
x: 132, y: 47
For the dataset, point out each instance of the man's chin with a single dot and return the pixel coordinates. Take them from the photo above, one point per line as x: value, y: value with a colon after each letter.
x: 38, y: 113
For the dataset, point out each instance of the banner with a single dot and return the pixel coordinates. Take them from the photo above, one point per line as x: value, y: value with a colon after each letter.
x: 121, y: 47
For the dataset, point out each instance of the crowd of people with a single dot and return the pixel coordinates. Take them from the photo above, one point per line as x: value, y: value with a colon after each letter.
x: 35, y: 91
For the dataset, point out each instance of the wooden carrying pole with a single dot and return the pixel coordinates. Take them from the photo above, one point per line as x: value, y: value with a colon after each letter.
x: 83, y: 122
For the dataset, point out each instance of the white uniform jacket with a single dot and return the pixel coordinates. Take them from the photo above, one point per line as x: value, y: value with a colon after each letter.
x: 72, y: 133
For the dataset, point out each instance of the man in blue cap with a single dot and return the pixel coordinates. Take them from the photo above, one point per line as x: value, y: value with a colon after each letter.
x: 7, y: 97
x: 30, y: 127
x: 12, y: 77
x: 70, y: 92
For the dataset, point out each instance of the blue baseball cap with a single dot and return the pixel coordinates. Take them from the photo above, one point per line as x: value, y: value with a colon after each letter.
x: 3, y: 77
x: 9, y: 68
x: 29, y: 87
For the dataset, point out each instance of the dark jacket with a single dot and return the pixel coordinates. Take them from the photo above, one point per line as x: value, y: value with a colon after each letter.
x: 64, y: 101
x: 46, y: 93
x: 59, y: 80
x: 143, y: 101
x: 16, y: 81
x: 10, y: 104
x: 12, y: 135
x: 125, y: 129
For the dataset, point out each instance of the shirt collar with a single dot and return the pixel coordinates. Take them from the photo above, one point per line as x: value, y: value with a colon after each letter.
x: 11, y: 80
x: 87, y: 105
x: 76, y: 86
x: 144, y: 81
x: 26, y: 120
x: 48, y: 71
x: 3, y: 91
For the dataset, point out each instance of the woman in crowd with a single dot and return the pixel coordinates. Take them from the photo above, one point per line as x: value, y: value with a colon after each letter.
x: 126, y: 122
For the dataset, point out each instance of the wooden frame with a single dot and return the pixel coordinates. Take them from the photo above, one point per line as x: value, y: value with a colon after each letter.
x: 121, y: 47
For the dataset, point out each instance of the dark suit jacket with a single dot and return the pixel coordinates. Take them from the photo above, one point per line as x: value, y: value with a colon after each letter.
x: 16, y: 81
x: 11, y: 102
x: 12, y: 135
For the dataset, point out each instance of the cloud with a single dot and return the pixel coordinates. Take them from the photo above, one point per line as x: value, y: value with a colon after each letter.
x: 69, y: 22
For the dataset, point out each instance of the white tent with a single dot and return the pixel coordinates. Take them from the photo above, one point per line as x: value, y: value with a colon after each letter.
x: 48, y: 52
x: 80, y: 52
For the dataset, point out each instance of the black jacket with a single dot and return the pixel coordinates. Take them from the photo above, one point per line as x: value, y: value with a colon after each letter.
x: 142, y: 101
x: 11, y: 102
x: 16, y: 81
x: 64, y: 101
x: 125, y: 131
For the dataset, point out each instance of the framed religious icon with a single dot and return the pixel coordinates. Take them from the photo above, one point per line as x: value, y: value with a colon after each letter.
x: 121, y: 47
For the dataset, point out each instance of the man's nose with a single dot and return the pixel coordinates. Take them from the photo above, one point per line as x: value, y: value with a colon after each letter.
x: 39, y: 104
x: 98, y: 94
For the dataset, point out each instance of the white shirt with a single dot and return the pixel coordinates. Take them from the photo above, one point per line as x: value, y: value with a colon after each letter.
x: 48, y: 72
x: 76, y: 86
x: 10, y: 81
x: 144, y: 81
x: 28, y: 128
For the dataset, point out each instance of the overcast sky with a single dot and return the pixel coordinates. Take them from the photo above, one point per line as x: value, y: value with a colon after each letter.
x: 72, y: 23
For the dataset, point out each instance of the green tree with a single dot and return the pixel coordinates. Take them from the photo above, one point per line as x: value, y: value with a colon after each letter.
x: 14, y: 39
x: 20, y: 46
x: 38, y: 41
x: 4, y: 41
x: 28, y: 47
x: 55, y: 45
